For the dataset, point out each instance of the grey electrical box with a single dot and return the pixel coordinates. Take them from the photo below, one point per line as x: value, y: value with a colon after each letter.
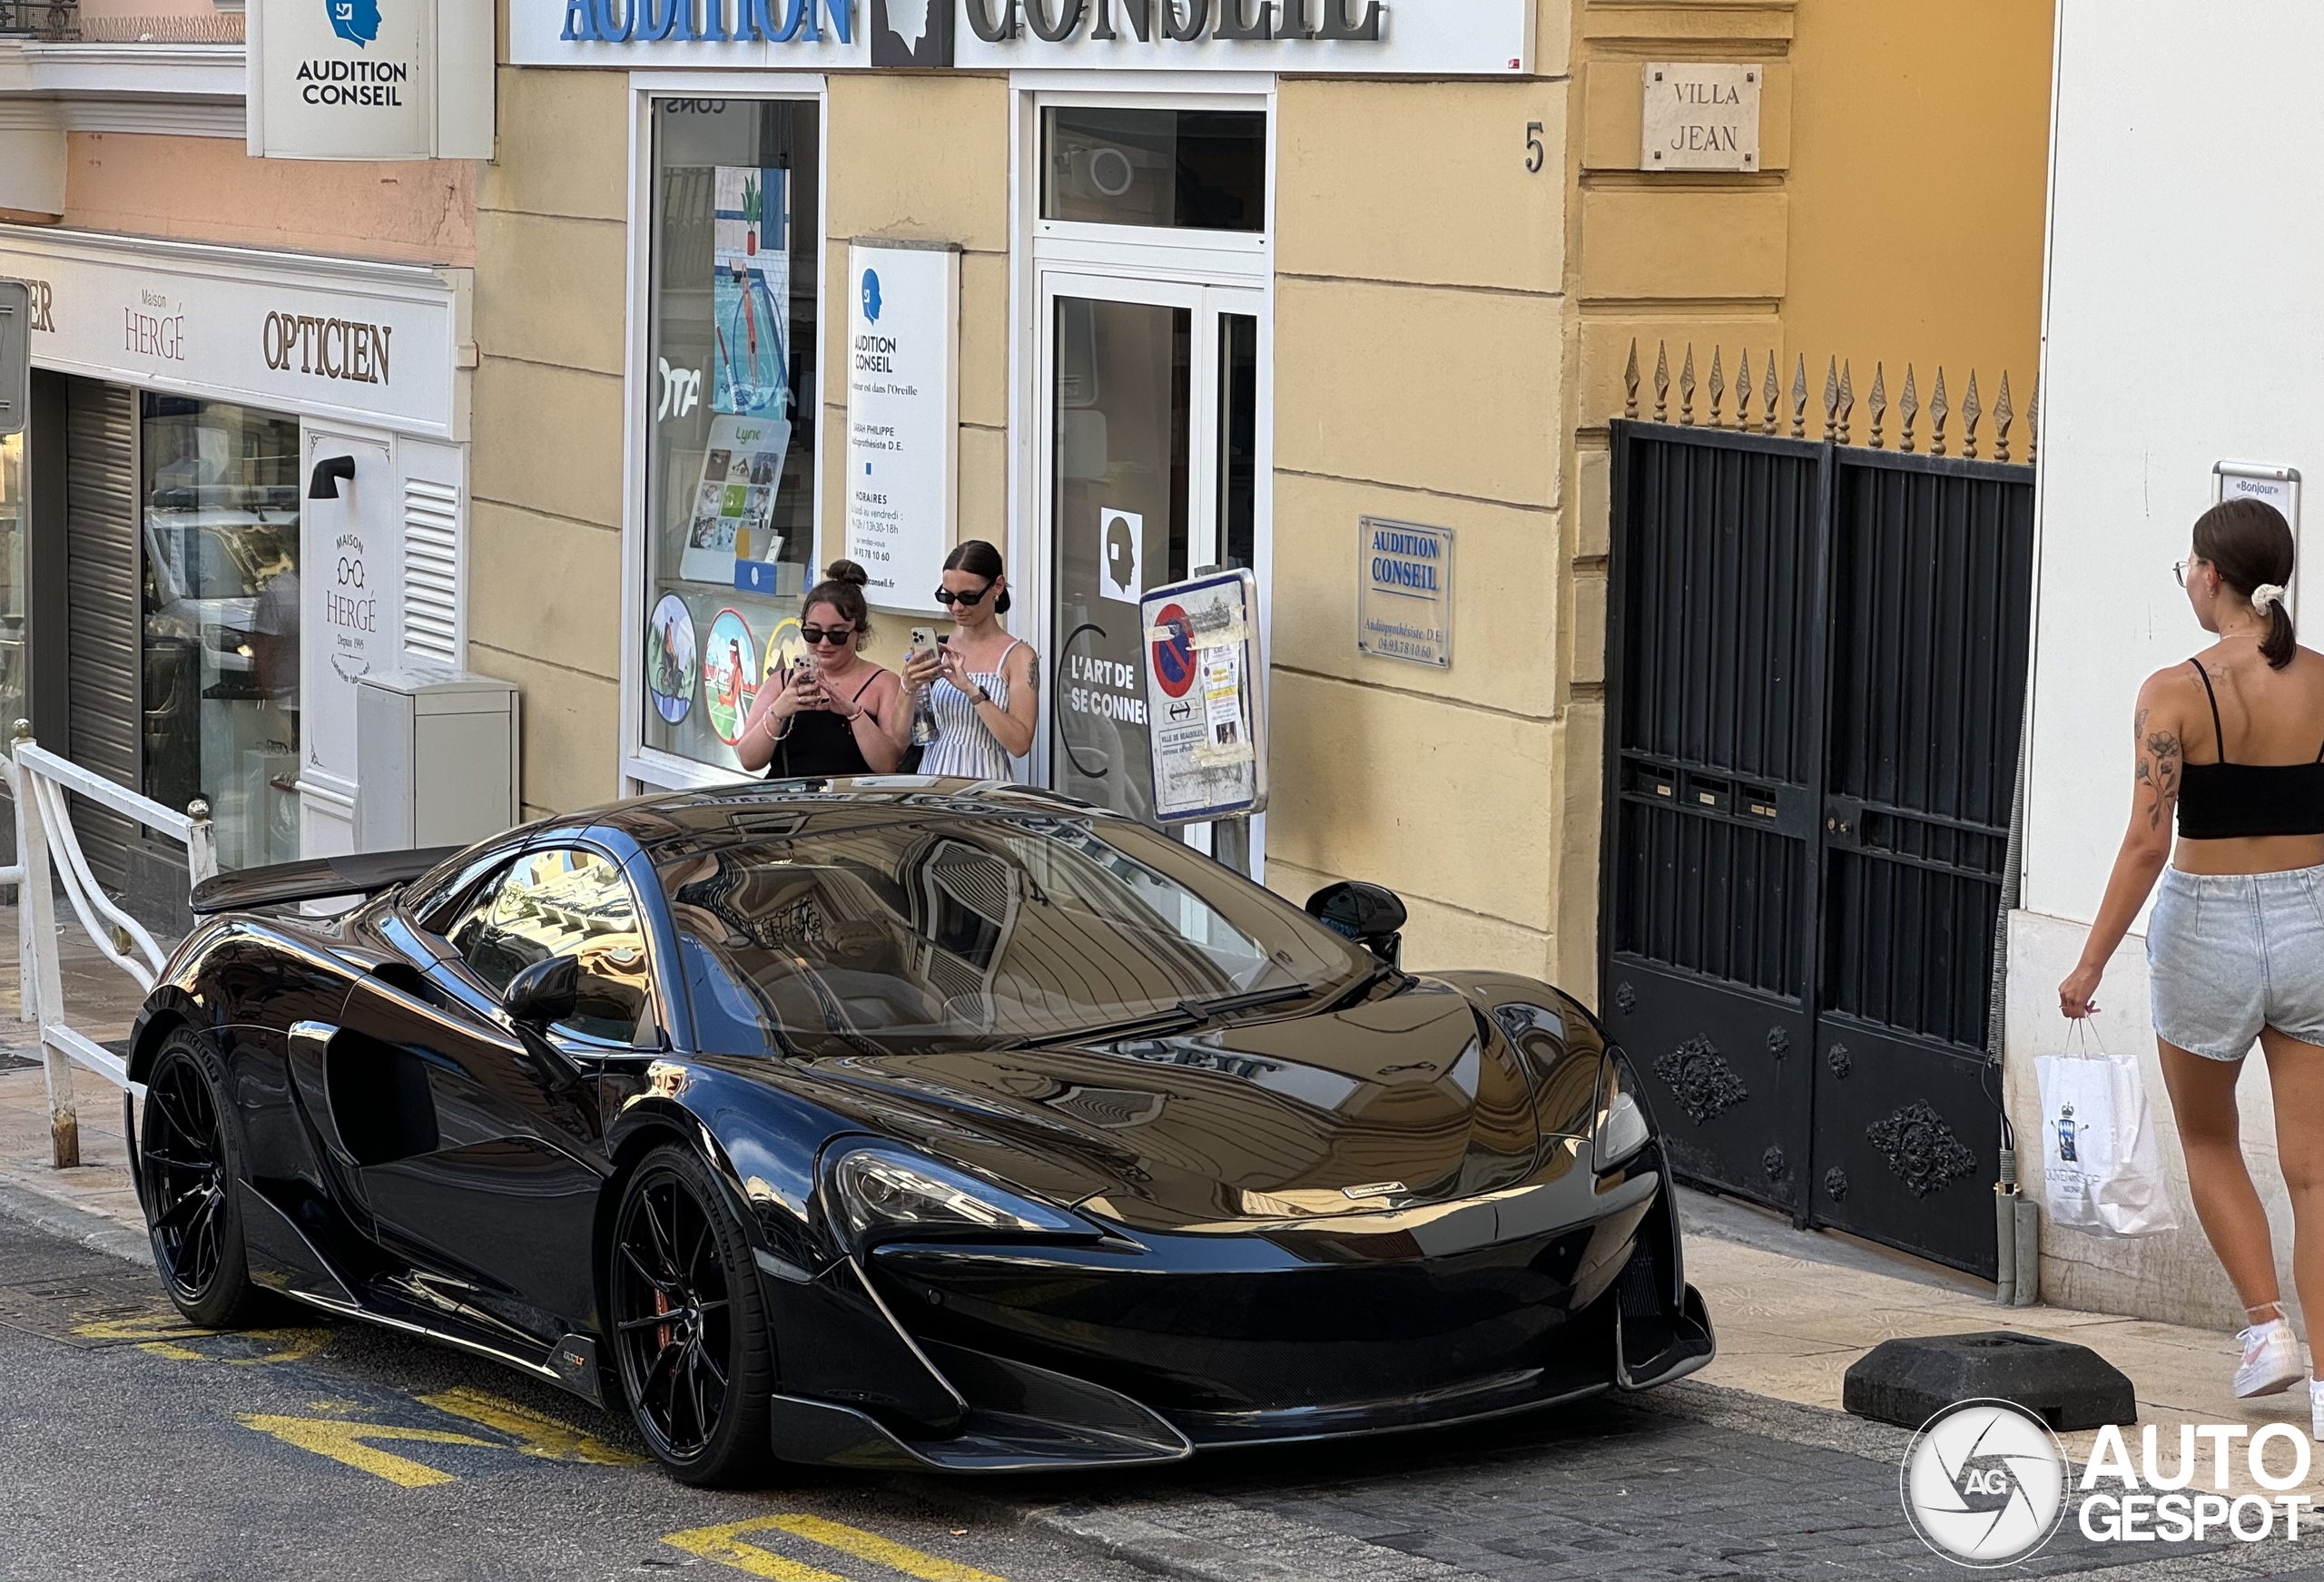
x: 435, y: 758
x: 15, y: 355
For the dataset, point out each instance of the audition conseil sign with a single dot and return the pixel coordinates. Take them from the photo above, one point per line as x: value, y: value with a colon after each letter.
x: 1409, y: 37
x: 370, y: 78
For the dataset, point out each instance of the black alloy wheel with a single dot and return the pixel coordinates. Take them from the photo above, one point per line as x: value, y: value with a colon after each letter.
x: 689, y: 1328
x: 190, y: 1160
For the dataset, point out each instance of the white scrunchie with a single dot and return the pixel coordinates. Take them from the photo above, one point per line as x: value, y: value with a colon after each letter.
x: 2266, y: 595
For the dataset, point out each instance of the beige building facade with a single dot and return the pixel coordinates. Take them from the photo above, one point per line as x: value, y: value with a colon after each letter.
x: 1381, y: 279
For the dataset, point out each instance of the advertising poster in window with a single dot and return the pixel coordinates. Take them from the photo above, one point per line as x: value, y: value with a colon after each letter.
x: 751, y: 292
x: 1204, y: 691
x: 902, y: 418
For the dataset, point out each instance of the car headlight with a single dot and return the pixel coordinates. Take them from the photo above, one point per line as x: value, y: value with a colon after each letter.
x: 1621, y: 1128
x: 877, y: 1189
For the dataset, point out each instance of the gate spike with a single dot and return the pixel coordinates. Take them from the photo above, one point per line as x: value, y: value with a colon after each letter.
x: 1832, y: 402
x: 1910, y: 406
x: 1686, y: 389
x: 1847, y: 397
x: 1971, y: 410
x: 2002, y: 417
x: 1662, y: 381
x: 1630, y: 382
x: 1770, y: 392
x: 1879, y: 401
x: 1937, y: 411
x: 1799, y: 399
x: 1743, y: 395
x: 1717, y: 386
x: 2033, y: 424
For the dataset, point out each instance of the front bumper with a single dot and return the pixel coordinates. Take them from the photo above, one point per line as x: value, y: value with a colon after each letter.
x: 1078, y: 1356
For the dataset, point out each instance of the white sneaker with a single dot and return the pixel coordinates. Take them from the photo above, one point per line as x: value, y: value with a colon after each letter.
x: 2316, y: 1409
x: 2272, y: 1363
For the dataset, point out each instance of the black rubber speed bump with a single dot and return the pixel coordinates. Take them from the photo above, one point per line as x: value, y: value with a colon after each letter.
x: 1908, y: 1381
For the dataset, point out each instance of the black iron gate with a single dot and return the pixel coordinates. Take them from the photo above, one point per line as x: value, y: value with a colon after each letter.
x: 1816, y: 683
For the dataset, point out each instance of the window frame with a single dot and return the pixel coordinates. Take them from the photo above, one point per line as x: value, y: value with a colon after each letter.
x: 644, y: 768
x: 654, y: 1036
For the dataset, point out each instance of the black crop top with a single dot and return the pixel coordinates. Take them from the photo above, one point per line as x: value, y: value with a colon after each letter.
x: 2225, y: 802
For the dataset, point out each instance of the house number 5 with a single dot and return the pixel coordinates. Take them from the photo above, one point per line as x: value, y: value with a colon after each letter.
x: 1534, y: 153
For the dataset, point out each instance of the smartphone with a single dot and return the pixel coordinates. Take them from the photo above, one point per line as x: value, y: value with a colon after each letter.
x: 924, y: 639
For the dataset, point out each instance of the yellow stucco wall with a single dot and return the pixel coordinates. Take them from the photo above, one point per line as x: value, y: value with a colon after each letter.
x: 1918, y: 183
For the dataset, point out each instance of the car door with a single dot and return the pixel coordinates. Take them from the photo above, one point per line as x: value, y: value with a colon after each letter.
x: 480, y: 1160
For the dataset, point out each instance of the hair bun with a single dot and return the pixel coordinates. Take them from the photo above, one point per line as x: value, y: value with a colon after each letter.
x: 848, y: 572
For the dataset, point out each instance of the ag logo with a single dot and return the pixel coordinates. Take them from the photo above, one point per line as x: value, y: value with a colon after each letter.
x: 1985, y: 1483
x: 356, y: 21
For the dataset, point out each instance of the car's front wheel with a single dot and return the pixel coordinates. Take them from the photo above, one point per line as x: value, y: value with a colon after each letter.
x: 690, y: 1331
x: 190, y: 1158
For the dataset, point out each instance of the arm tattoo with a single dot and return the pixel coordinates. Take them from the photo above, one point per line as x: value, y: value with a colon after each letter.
x: 2160, y: 763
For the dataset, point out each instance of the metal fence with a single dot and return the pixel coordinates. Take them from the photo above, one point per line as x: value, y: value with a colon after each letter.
x: 1816, y: 661
x: 48, y: 859
x: 47, y: 20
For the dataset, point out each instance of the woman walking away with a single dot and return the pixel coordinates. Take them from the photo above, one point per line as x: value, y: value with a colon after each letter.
x: 985, y: 684
x: 838, y: 713
x: 2233, y: 742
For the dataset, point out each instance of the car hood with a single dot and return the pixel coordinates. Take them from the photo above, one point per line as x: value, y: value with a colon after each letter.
x: 1395, y: 1103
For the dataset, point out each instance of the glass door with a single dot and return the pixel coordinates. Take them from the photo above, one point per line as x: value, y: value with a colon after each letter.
x: 1152, y: 466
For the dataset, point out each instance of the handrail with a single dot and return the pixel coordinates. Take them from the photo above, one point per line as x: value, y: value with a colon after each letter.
x: 48, y: 853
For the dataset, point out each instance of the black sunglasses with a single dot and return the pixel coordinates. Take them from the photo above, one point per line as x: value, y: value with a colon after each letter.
x: 813, y: 636
x: 948, y: 598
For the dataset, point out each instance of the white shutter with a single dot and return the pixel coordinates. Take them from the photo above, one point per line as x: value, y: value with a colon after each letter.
x: 432, y: 569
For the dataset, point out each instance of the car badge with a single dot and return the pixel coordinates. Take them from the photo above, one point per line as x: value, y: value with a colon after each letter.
x: 1373, y: 1189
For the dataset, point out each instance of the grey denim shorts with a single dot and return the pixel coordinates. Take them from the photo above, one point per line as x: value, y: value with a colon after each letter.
x: 2229, y: 954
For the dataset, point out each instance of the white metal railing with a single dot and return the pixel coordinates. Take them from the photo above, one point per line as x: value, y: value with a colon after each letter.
x: 49, y: 856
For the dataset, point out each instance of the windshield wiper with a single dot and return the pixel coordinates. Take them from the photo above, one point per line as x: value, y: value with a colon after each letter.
x: 1190, y: 1013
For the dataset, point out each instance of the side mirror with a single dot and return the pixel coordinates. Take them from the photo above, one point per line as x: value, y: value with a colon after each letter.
x: 545, y: 992
x: 1371, y: 915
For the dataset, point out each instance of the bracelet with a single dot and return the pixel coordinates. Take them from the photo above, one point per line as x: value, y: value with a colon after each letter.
x: 984, y: 697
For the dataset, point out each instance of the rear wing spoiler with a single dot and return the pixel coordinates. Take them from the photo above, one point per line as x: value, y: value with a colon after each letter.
x: 362, y: 873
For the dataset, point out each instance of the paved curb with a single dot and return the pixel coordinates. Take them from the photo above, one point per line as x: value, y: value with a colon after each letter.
x: 77, y: 1226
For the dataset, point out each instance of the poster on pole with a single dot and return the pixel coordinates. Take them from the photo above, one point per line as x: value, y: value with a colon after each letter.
x: 904, y: 413
x: 1206, y: 698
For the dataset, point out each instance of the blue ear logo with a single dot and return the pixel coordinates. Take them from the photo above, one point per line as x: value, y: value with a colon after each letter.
x: 871, y: 295
x: 356, y: 21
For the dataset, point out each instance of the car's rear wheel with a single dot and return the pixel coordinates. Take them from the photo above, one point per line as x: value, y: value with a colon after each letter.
x: 690, y: 1330
x: 192, y: 1158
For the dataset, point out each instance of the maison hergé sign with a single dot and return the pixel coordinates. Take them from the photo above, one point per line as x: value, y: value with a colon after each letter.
x: 1373, y: 37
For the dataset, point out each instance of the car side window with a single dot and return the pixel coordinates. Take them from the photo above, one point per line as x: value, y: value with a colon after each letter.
x: 564, y: 902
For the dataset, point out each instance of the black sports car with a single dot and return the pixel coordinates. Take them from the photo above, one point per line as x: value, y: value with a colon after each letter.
x: 905, y: 1124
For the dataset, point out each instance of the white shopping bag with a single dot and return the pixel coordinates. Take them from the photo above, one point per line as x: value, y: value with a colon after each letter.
x: 2102, y: 1168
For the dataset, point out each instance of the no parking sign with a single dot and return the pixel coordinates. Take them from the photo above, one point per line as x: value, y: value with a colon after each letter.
x: 1206, y: 698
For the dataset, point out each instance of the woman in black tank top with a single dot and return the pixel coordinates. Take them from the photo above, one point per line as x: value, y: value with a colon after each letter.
x: 839, y: 714
x: 2229, y: 743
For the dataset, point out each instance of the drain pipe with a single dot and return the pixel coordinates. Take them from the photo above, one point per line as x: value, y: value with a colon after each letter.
x: 2017, y: 1219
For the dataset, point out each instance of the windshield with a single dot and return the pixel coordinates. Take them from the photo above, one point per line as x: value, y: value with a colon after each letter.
x: 913, y: 935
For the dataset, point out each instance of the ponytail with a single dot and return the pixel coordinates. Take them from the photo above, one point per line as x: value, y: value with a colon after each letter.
x: 2250, y: 544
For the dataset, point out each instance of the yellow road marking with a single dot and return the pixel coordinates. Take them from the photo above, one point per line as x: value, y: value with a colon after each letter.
x: 886, y: 1552
x: 160, y: 1335
x: 345, y: 1442
x: 724, y: 1545
x: 536, y: 1434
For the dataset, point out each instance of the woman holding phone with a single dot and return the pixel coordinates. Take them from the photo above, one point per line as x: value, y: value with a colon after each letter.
x: 838, y: 713
x: 984, y: 685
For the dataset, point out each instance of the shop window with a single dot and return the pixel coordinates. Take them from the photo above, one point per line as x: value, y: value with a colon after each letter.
x: 219, y: 694
x: 1195, y: 170
x: 730, y: 411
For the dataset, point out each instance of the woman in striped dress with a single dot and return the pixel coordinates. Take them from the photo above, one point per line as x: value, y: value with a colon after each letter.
x: 984, y: 685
